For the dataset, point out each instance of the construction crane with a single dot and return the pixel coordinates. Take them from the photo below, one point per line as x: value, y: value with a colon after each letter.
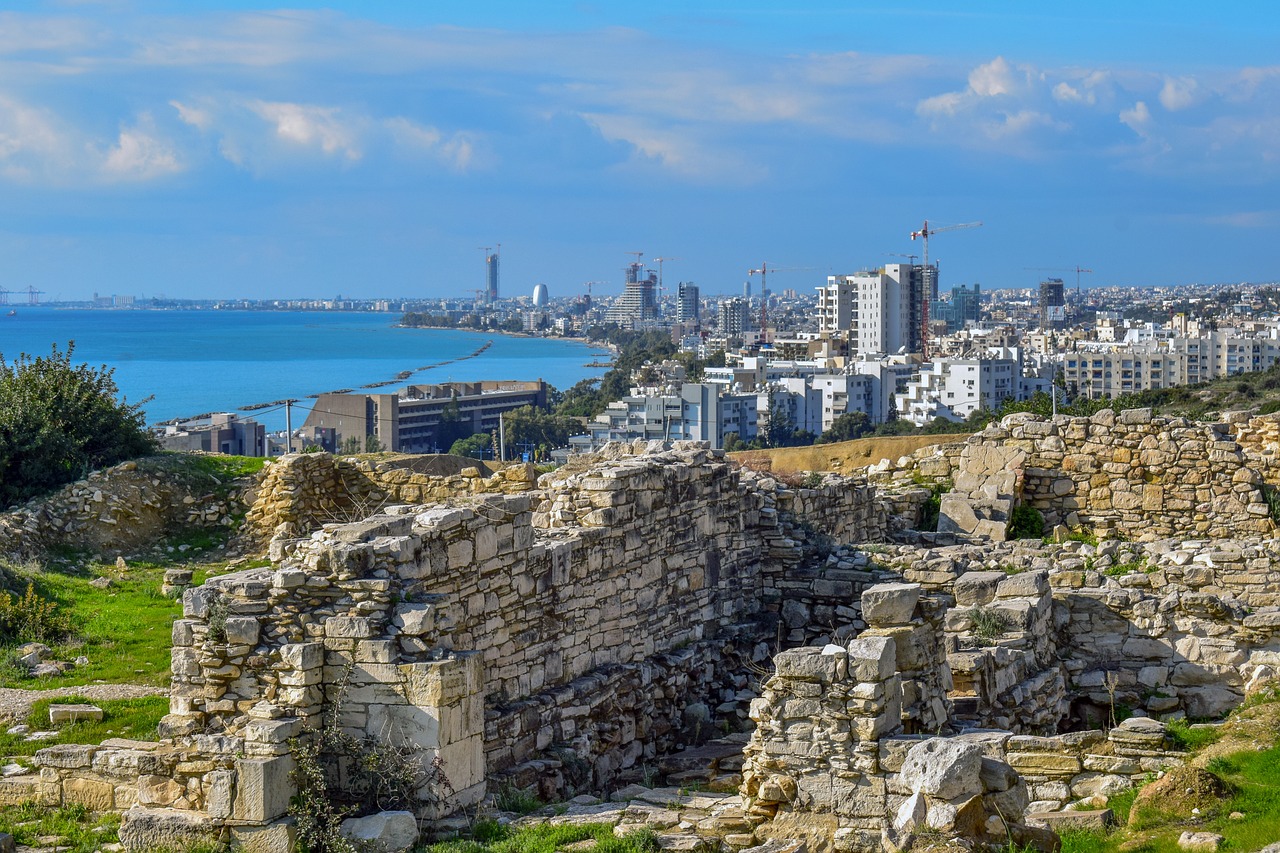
x: 589, y: 285
x: 1077, y: 269
x: 912, y: 258
x: 33, y: 295
x: 924, y: 234
x: 661, y: 289
x: 763, y: 272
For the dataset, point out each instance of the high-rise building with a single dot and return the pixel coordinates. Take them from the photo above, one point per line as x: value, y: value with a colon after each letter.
x: 687, y: 308
x: 964, y: 305
x: 735, y: 316
x: 637, y: 304
x: 540, y: 296
x: 1053, y: 311
x: 491, y: 288
x: 881, y: 309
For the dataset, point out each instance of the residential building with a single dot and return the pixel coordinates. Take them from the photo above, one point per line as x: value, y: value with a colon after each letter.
x: 406, y: 421
x: 638, y: 303
x: 700, y: 411
x: 1053, y: 305
x: 491, y: 277
x: 880, y: 309
x: 964, y: 307
x: 687, y: 305
x: 223, y: 433
x: 954, y: 388
x: 735, y: 317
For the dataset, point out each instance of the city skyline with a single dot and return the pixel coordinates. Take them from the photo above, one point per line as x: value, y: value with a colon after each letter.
x: 373, y: 149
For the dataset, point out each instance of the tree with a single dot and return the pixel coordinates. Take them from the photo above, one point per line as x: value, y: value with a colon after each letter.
x: 352, y: 444
x: 847, y: 427
x: 527, y: 426
x: 475, y: 446
x: 60, y: 421
x: 373, y: 445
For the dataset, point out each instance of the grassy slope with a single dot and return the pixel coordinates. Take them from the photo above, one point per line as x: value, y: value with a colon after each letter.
x: 841, y: 457
x: 1246, y: 755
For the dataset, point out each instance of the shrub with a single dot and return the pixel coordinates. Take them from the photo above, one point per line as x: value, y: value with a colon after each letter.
x: 31, y: 618
x: 989, y: 623
x: 60, y: 421
x: 1026, y: 522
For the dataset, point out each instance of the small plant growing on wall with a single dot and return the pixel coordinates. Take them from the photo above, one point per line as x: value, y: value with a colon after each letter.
x: 989, y: 623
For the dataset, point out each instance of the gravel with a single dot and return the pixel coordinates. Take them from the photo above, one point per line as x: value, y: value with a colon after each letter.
x: 16, y: 704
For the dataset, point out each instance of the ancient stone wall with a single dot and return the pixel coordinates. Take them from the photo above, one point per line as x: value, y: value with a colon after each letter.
x: 302, y: 491
x: 1130, y: 473
x: 119, y: 509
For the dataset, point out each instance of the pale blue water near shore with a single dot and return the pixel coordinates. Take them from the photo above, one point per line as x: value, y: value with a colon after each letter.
x: 200, y: 361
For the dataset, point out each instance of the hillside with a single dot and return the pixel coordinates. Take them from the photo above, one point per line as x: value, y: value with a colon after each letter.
x: 842, y: 456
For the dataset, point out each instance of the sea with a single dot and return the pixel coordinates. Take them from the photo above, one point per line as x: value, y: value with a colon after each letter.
x: 185, y: 363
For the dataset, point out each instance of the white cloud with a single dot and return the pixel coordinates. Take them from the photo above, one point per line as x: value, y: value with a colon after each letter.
x: 995, y: 78
x: 1138, y: 118
x: 139, y: 156
x: 310, y: 127
x: 676, y: 151
x: 456, y: 151
x: 194, y: 116
x: 1179, y: 93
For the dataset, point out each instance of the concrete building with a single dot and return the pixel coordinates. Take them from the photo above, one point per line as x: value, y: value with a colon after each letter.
x: 954, y: 388
x: 223, y: 433
x: 687, y: 305
x: 700, y: 411
x: 638, y: 303
x: 540, y: 296
x: 881, y: 310
x: 735, y: 317
x: 1053, y: 305
x: 491, y: 277
x: 406, y: 421
x: 964, y: 307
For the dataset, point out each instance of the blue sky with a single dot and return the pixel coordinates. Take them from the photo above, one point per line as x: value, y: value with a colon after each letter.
x: 234, y: 149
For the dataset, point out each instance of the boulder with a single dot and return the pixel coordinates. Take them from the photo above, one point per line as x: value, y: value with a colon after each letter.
x: 386, y: 830
x: 1201, y: 842
x: 943, y: 768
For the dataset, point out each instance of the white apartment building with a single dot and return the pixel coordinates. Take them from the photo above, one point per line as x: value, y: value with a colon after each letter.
x: 699, y: 412
x: 954, y: 388
x: 879, y: 309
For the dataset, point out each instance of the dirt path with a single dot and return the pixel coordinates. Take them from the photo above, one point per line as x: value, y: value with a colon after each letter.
x: 16, y: 704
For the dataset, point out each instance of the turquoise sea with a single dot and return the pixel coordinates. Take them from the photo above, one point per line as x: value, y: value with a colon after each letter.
x: 195, y: 361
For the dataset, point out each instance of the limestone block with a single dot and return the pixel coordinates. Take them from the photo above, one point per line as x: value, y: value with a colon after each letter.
x: 348, y: 627
x: 996, y: 775
x: 156, y: 790
x: 165, y: 829
x: 219, y: 786
x: 385, y: 830
x: 889, y: 603
x: 302, y: 655
x: 242, y: 630
x: 73, y: 713
x: 263, y: 788
x: 91, y: 793
x: 943, y: 768
x: 67, y: 756
x: 807, y: 664
x: 1200, y: 842
x: 1045, y: 764
x: 414, y: 619
x: 872, y: 658
x: 1024, y: 585
x: 278, y: 837
x: 975, y: 588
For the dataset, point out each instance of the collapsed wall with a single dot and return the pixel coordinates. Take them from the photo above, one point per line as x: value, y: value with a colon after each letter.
x: 489, y: 634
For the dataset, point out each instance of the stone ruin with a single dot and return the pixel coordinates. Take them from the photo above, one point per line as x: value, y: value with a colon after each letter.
x: 560, y: 638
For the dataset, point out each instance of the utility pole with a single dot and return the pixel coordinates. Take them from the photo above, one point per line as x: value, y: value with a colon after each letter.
x: 288, y: 426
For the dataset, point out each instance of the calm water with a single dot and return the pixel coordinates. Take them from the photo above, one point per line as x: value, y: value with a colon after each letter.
x: 193, y: 362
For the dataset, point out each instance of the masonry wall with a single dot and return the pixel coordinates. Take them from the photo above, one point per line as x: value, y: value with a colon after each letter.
x: 1128, y: 474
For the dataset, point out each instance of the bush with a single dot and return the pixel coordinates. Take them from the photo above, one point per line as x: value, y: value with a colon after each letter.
x: 31, y: 619
x: 60, y: 421
x: 1026, y: 522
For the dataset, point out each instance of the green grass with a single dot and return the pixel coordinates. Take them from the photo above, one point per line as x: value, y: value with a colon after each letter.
x: 1255, y: 777
x: 135, y: 719
x: 76, y: 827
x: 491, y: 838
x: 1189, y: 738
x: 124, y: 630
x: 1117, y: 570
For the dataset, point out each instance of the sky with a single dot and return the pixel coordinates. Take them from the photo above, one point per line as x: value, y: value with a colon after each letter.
x: 230, y: 149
